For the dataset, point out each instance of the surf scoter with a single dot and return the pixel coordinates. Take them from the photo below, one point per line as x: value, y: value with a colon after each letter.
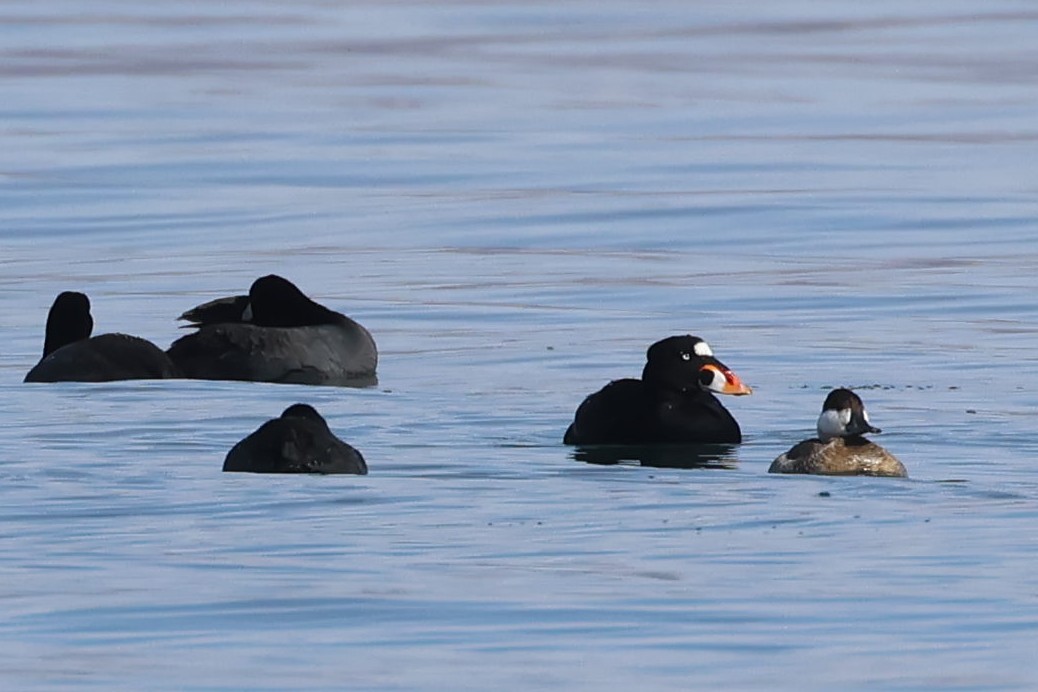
x: 673, y: 402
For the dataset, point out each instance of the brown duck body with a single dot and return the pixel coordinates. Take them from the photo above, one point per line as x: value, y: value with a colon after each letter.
x: 839, y: 456
x: 840, y: 448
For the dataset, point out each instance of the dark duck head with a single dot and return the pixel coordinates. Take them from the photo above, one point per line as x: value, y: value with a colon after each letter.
x: 277, y: 302
x: 687, y: 363
x: 844, y: 415
x: 69, y: 320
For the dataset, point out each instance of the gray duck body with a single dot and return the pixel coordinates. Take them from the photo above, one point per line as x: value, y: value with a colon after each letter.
x: 299, y: 441
x: 71, y: 354
x: 275, y: 334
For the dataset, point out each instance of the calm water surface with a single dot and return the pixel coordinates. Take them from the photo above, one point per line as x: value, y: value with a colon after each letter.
x: 517, y: 199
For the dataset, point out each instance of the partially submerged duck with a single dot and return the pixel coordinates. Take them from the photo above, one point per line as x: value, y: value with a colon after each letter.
x: 673, y: 402
x: 275, y: 334
x: 840, y: 448
x: 299, y: 441
x: 70, y: 354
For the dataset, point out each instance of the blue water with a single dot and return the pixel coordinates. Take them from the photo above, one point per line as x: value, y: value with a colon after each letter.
x: 517, y: 199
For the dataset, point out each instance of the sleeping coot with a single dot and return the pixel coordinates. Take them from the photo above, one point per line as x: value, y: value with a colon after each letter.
x: 297, y: 442
x: 275, y: 334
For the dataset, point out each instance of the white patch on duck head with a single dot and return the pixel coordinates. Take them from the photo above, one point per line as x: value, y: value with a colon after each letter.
x: 702, y: 349
x: 833, y: 423
x: 717, y: 379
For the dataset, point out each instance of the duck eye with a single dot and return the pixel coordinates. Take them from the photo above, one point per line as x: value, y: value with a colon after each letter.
x: 686, y: 356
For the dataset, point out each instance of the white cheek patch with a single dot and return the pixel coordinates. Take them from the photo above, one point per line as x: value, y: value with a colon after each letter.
x: 702, y: 349
x: 833, y: 423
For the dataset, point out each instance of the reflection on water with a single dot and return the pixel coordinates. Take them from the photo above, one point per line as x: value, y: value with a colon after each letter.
x: 661, y: 456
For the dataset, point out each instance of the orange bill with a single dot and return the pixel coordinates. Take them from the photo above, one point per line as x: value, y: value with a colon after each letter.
x: 725, y: 381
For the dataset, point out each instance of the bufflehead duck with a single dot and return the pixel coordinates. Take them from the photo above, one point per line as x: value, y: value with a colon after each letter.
x: 299, y: 441
x: 275, y: 334
x: 840, y: 449
x: 70, y: 354
x: 673, y: 402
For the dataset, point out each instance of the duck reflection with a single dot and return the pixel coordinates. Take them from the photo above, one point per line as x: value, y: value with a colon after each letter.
x: 702, y: 456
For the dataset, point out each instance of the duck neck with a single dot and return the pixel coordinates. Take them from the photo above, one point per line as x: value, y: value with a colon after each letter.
x: 63, y: 330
